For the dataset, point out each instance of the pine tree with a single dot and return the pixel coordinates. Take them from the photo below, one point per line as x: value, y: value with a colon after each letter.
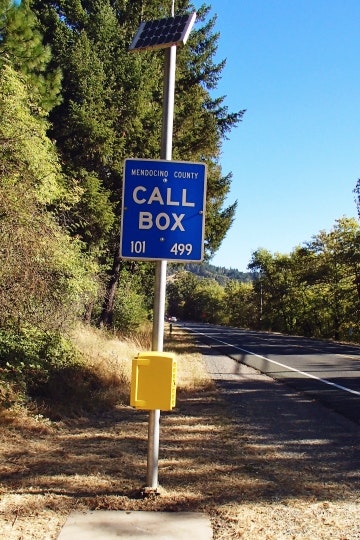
x: 357, y: 196
x: 112, y: 104
x: 21, y: 44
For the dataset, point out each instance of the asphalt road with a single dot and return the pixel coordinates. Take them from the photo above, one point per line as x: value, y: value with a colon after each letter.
x: 326, y: 371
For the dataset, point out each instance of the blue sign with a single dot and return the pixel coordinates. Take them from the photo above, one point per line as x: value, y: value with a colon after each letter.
x: 163, y: 210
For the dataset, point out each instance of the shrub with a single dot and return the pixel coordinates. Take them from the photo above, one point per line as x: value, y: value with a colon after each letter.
x: 129, y: 311
x: 27, y: 357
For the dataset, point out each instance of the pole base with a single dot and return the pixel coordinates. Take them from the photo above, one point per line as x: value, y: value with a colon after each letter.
x: 149, y: 493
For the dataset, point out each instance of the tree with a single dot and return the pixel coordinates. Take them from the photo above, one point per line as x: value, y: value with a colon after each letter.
x: 180, y: 294
x: 44, y: 279
x: 240, y: 306
x: 42, y: 268
x: 275, y: 285
x: 315, y: 289
x: 112, y: 107
x: 21, y: 45
x: 207, y: 303
x: 338, y: 257
x: 203, y: 122
x: 357, y: 196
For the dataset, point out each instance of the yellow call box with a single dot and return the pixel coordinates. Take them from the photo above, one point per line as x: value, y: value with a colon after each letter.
x: 153, y: 381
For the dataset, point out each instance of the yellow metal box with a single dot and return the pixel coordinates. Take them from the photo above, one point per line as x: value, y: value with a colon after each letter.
x: 153, y: 381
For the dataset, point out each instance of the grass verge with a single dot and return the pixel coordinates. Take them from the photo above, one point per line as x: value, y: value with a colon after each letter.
x: 97, y: 460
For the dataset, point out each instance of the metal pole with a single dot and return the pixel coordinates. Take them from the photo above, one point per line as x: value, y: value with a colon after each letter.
x: 160, y: 270
x: 168, y: 104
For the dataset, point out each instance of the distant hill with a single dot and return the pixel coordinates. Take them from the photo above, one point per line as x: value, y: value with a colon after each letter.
x: 219, y: 273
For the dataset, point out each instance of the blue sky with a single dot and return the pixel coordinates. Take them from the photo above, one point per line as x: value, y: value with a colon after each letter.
x: 294, y: 65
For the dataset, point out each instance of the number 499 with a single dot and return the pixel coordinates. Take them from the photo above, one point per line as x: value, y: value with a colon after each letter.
x: 180, y: 249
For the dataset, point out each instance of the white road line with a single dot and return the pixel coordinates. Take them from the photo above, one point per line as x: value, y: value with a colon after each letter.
x: 348, y: 356
x: 325, y: 381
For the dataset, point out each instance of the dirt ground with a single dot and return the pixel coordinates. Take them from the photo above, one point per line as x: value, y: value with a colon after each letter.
x: 214, y: 458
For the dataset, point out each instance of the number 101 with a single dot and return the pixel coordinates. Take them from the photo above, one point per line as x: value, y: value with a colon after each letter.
x: 137, y: 247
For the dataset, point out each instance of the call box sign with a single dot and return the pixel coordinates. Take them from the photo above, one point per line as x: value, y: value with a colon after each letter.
x: 163, y: 210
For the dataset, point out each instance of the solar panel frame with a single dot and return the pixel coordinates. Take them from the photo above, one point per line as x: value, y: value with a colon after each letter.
x: 163, y: 33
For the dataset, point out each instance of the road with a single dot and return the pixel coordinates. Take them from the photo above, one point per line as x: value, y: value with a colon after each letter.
x: 326, y: 371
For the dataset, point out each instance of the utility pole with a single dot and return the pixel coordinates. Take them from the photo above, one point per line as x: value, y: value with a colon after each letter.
x: 167, y: 34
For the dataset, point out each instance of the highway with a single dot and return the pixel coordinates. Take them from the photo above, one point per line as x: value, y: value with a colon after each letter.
x: 326, y: 371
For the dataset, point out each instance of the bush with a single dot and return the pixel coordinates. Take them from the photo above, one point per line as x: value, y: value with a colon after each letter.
x: 27, y: 357
x: 58, y: 377
x: 129, y: 310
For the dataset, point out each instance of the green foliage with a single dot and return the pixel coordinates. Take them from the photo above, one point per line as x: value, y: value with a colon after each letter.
x: 73, y: 104
x: 193, y: 298
x: 129, y: 310
x: 112, y: 109
x: 208, y: 302
x: 27, y: 154
x: 221, y: 274
x: 357, y: 196
x: 90, y: 215
x: 21, y: 45
x: 338, y: 257
x: 44, y: 277
x: 313, y: 291
x: 218, y: 219
x: 202, y: 122
x: 28, y: 356
x: 47, y: 370
x: 180, y: 295
x: 240, y: 306
x: 130, y: 303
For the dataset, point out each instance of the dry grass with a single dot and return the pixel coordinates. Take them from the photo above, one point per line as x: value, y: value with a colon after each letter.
x: 207, y: 463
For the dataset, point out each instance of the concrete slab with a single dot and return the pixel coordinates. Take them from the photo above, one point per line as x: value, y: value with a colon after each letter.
x: 106, y: 525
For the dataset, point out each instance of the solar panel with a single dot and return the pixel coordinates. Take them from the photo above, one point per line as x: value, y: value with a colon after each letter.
x: 163, y: 33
